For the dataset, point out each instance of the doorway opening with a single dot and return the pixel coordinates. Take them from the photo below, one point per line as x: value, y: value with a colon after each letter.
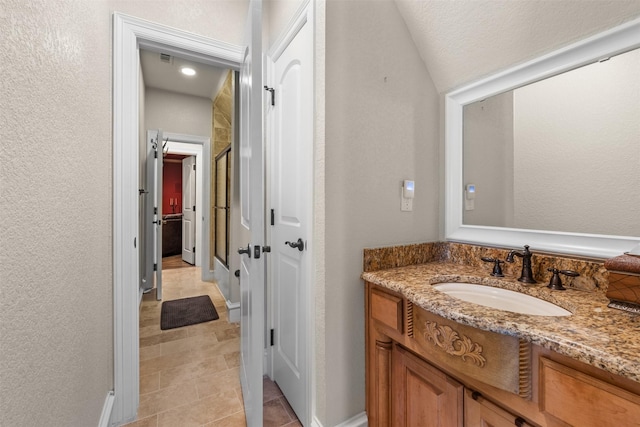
x: 173, y: 236
x: 130, y: 35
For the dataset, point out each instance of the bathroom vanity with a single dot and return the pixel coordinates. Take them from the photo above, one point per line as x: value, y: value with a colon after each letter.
x: 171, y: 234
x: 434, y: 360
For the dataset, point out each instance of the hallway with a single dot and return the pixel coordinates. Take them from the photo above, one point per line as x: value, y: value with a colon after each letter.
x: 189, y: 376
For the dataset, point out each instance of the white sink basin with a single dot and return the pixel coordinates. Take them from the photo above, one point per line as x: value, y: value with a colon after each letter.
x: 502, y: 299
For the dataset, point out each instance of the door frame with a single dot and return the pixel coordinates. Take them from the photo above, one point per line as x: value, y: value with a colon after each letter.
x: 130, y: 34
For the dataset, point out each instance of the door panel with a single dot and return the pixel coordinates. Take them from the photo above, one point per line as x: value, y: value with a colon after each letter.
x: 157, y: 197
x: 423, y: 395
x: 189, y: 209
x: 287, y: 309
x: 147, y: 249
x: 291, y: 121
x: 252, y: 302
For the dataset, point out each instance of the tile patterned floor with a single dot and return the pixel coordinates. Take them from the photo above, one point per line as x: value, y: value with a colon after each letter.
x: 174, y: 261
x: 189, y: 376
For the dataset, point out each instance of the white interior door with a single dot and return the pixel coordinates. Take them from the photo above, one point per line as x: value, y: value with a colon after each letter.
x: 148, y: 227
x: 157, y: 210
x: 189, y: 209
x: 291, y: 143
x: 252, y: 302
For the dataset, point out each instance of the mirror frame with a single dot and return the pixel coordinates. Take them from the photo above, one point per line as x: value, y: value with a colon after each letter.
x: 612, y: 42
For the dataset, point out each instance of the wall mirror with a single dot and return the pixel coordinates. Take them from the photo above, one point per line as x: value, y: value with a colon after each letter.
x: 548, y: 153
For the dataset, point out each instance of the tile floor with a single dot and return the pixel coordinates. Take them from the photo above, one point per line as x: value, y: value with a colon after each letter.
x: 189, y: 376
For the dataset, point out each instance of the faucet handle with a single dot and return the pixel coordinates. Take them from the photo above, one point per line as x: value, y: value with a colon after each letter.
x: 555, y: 282
x: 497, y: 270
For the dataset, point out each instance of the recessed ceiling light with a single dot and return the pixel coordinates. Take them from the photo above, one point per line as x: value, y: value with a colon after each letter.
x: 188, y: 71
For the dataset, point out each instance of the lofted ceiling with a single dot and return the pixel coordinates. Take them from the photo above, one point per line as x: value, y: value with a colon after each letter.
x: 167, y: 76
x: 460, y: 41
x: 465, y: 40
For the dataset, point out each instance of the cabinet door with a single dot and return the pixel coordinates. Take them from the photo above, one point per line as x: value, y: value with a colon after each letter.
x: 578, y: 399
x: 479, y: 412
x: 422, y: 395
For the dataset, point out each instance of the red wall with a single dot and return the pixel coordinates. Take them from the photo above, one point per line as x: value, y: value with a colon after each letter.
x: 171, y: 187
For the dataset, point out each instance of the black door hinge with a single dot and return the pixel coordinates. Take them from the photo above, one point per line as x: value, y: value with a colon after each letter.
x: 273, y: 217
x: 194, y: 249
x: 194, y: 208
x: 273, y: 94
x: 155, y: 267
x: 194, y: 166
x: 273, y: 340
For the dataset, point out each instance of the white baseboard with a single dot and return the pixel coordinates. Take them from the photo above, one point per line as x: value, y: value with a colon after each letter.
x: 105, y: 417
x: 359, y: 420
x: 233, y: 311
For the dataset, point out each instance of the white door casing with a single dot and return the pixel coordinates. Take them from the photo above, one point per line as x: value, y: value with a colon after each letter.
x: 252, y: 287
x: 290, y: 169
x: 130, y: 34
x: 189, y: 208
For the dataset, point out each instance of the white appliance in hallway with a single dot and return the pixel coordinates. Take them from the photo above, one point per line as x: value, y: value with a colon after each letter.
x: 189, y: 209
x: 290, y: 119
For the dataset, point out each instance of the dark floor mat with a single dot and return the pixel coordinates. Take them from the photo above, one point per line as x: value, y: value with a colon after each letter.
x: 187, y: 311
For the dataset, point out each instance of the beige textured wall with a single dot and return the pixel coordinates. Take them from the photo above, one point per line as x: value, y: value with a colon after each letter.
x: 278, y: 13
x: 56, y: 357
x: 586, y: 123
x: 319, y: 211
x: 381, y: 127
x: 488, y: 160
x: 177, y: 113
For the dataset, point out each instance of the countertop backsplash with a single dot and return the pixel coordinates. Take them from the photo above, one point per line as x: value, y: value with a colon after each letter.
x: 593, y: 275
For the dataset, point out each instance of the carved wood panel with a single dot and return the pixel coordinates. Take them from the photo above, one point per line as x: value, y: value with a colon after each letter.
x: 498, y: 360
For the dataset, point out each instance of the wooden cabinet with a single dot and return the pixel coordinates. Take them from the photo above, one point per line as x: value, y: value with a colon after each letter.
x: 480, y: 412
x: 577, y: 399
x: 386, y: 308
x: 171, y: 235
x: 423, y: 396
x: 416, y: 377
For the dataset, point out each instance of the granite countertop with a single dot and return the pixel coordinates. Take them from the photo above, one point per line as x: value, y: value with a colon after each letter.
x: 594, y: 334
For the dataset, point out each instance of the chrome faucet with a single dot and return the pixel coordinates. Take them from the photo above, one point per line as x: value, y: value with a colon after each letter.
x: 527, y: 274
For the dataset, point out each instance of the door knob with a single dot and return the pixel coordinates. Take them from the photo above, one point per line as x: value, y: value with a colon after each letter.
x: 246, y: 250
x: 299, y: 244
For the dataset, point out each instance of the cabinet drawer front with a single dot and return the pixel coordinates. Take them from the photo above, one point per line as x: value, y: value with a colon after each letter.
x: 579, y: 399
x: 387, y: 309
